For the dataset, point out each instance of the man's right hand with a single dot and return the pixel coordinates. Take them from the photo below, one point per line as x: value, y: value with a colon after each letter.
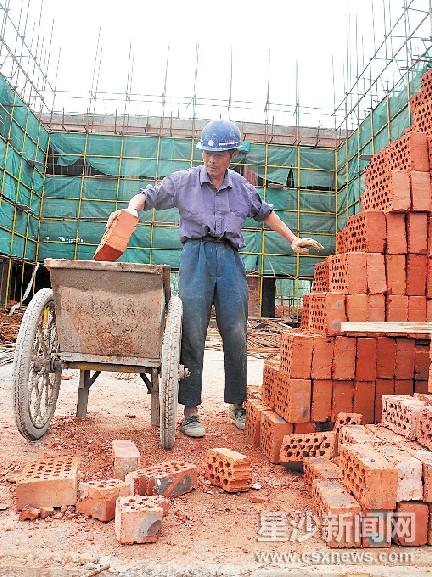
x: 137, y: 202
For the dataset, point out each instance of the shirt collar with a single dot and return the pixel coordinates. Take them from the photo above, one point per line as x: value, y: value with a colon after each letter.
x: 204, y: 177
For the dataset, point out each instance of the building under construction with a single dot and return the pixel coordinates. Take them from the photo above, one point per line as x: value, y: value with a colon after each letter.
x: 63, y: 173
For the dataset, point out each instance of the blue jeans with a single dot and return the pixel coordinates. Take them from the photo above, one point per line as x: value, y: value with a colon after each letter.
x: 213, y: 273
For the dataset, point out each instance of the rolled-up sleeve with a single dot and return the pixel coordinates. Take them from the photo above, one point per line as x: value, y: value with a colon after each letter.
x: 259, y: 209
x: 162, y: 196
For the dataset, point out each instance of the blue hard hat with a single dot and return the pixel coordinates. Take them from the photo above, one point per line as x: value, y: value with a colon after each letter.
x: 219, y: 135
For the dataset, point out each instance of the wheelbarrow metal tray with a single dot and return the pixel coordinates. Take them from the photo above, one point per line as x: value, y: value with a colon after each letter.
x: 108, y: 311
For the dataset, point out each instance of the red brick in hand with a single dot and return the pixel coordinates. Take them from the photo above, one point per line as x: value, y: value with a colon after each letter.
x: 116, y: 237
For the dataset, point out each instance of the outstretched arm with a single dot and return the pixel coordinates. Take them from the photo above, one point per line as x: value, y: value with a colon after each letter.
x: 299, y: 245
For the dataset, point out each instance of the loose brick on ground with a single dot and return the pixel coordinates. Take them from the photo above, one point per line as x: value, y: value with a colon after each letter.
x: 320, y: 468
x: 138, y: 519
x: 97, y: 499
x: 273, y: 429
x: 409, y: 470
x: 126, y: 457
x: 167, y: 479
x: 49, y: 482
x: 228, y: 469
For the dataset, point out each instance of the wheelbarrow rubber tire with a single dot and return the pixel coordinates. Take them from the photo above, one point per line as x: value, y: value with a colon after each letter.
x: 169, y: 383
x: 23, y: 366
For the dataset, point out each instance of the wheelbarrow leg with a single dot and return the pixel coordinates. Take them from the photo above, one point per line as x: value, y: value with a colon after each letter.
x: 85, y: 383
x: 83, y: 394
x: 155, y: 398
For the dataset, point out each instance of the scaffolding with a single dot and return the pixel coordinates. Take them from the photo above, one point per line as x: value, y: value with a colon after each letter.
x: 62, y: 173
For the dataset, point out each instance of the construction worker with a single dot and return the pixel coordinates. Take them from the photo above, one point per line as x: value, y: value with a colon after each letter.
x: 214, y: 202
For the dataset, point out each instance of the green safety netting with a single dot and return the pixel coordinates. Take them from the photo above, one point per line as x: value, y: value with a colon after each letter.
x: 23, y: 146
x: 385, y: 123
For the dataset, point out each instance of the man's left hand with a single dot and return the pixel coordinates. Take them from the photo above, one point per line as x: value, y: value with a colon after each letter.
x: 302, y: 245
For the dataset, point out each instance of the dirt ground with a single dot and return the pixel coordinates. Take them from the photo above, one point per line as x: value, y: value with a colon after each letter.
x: 207, y: 532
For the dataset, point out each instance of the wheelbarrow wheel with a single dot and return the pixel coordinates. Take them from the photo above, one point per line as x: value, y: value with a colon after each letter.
x: 35, y: 388
x: 169, y: 383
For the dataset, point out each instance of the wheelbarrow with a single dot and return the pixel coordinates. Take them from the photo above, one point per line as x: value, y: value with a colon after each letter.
x: 99, y: 316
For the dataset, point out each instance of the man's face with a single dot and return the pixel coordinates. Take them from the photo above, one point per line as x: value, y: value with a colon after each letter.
x: 216, y: 163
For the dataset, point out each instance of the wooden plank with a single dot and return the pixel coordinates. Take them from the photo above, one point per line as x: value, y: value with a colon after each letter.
x: 387, y: 328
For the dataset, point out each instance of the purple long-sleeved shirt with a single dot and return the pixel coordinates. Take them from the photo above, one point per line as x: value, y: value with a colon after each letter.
x: 203, y: 209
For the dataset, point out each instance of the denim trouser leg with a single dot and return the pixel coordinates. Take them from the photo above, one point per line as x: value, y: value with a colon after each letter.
x: 231, y: 304
x: 213, y: 272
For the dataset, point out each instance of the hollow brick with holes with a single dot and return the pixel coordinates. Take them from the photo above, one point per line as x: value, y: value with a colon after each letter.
x: 321, y: 277
x: 332, y: 502
x: 138, y: 519
x: 409, y: 471
x: 97, y: 499
x: 167, y: 479
x: 410, y: 152
x: 49, y: 482
x: 424, y: 428
x: 326, y: 312
x: 228, y: 469
x: 273, y: 429
x: 367, y: 232
x: 401, y: 414
x: 270, y: 375
x: 369, y: 476
x: 304, y: 324
x: 321, y: 468
x: 295, y: 448
x: 296, y: 350
x: 382, y: 387
x: 254, y: 411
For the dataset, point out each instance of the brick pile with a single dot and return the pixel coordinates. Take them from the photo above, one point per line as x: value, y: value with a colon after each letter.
x: 382, y: 271
x: 137, y: 498
x: 382, y: 470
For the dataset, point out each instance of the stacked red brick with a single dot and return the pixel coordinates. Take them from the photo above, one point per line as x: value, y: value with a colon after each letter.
x: 381, y: 272
x: 384, y: 473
